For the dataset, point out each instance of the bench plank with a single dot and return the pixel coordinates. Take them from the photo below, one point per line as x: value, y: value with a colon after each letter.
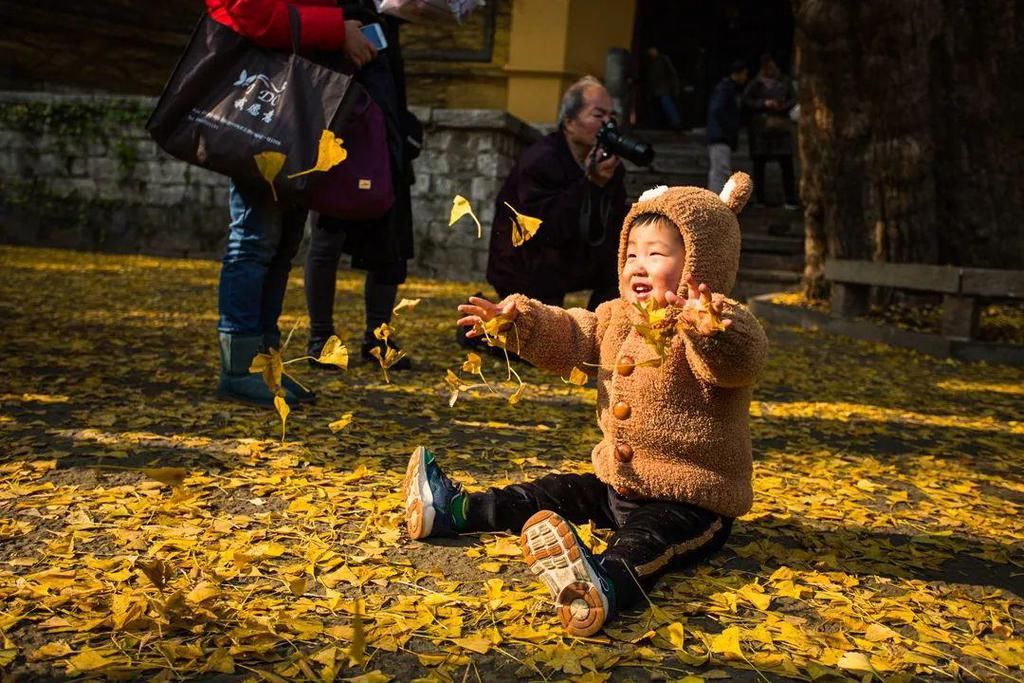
x: 945, y: 279
x: 1008, y: 284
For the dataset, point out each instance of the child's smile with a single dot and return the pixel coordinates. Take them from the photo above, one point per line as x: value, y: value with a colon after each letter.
x: 655, y: 255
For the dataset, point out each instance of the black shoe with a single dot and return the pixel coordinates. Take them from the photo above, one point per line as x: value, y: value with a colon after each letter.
x: 403, y: 364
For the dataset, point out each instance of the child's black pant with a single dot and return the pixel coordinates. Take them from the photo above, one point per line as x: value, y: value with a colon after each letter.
x: 651, y: 537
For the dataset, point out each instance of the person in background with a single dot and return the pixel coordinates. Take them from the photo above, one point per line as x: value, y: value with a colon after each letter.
x: 663, y: 88
x: 769, y: 97
x: 724, y: 125
x: 383, y: 246
x: 264, y: 235
x: 578, y: 193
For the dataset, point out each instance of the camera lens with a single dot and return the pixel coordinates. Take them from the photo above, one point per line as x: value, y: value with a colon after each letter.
x: 610, y: 139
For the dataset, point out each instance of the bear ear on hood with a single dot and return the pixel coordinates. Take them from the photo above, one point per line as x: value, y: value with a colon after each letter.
x: 737, y: 191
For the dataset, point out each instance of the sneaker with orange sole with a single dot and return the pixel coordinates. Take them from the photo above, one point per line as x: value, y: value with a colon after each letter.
x: 584, y: 596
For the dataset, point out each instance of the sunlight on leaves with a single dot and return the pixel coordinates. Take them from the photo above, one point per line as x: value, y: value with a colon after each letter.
x: 523, y: 227
x: 330, y: 153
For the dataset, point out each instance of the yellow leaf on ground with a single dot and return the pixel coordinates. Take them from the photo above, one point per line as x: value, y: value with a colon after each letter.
x: 221, y: 661
x: 87, y: 660
x: 727, y: 643
x: 270, y: 165
x: 171, y: 476
x: 492, y: 567
x: 855, y: 661
x: 340, y: 423
x: 479, y: 644
x: 460, y: 208
x: 357, y: 649
x: 375, y: 676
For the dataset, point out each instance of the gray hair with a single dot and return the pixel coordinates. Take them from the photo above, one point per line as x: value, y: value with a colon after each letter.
x: 572, y: 100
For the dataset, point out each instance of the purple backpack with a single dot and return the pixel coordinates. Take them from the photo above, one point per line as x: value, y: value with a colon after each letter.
x: 360, y: 187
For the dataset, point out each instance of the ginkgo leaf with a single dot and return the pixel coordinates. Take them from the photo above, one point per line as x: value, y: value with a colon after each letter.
x: 340, y: 423
x: 270, y: 165
x: 283, y: 410
x: 382, y: 332
x: 156, y: 570
x: 271, y: 366
x: 330, y: 153
x: 855, y: 661
x: 334, y: 353
x: 727, y: 643
x: 577, y: 377
x: 472, y: 363
x: 523, y: 227
x: 460, y: 208
x: 404, y: 304
x: 452, y: 381
x: 171, y: 476
x: 517, y: 395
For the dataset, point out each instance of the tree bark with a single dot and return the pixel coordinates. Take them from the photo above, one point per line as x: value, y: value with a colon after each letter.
x: 911, y: 138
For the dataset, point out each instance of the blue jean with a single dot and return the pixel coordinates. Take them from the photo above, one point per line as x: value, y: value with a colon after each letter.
x: 263, y: 239
x: 670, y: 110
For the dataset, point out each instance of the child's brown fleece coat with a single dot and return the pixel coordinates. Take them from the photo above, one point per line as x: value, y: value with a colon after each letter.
x: 678, y: 431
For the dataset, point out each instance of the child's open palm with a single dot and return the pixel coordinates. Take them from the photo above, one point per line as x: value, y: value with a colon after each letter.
x: 702, y: 310
x: 479, y: 311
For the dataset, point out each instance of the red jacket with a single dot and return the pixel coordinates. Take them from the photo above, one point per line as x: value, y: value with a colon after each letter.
x: 265, y: 22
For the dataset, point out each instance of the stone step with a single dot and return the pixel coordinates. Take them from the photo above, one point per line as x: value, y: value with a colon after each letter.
x: 772, y: 244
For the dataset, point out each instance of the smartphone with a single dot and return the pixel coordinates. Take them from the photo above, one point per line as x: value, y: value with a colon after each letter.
x: 375, y: 35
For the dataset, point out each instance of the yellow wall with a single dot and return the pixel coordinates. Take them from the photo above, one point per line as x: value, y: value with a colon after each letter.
x: 540, y: 48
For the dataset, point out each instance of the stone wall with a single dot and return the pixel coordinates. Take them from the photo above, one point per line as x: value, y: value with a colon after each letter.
x: 80, y: 171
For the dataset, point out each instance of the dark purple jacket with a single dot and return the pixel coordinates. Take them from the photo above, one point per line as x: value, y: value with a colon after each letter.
x: 569, y: 252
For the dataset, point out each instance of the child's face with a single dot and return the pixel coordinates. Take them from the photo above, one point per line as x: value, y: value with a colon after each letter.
x: 655, y: 255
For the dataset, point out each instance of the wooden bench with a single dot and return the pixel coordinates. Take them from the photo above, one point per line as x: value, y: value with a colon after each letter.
x: 961, y: 289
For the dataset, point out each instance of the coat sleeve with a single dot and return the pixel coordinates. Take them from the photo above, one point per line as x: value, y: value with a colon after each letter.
x: 557, y: 339
x: 733, y: 358
x: 266, y: 23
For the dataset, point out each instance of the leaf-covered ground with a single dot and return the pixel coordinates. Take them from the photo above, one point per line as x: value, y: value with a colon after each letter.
x: 885, y: 540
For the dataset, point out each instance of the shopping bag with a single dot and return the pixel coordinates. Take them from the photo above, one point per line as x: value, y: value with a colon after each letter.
x: 254, y: 114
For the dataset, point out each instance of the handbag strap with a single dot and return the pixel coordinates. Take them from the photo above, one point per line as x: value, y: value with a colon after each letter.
x: 295, y: 25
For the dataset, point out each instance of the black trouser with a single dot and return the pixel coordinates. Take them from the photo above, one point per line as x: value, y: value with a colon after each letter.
x: 788, y: 179
x: 651, y: 537
x: 325, y: 248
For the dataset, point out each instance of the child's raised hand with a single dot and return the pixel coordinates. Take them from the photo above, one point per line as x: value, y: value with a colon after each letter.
x: 479, y: 311
x: 702, y: 310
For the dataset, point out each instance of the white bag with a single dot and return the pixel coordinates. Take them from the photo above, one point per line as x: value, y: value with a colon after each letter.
x: 429, y: 11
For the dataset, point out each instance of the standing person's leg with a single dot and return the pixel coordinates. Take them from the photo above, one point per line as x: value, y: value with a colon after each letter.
x: 293, y: 223
x: 789, y: 181
x: 720, y: 166
x: 437, y: 506
x: 671, y: 112
x: 253, y: 241
x: 326, y: 241
x: 380, y: 292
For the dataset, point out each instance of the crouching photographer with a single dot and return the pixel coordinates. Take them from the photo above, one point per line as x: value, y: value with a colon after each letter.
x: 573, y: 180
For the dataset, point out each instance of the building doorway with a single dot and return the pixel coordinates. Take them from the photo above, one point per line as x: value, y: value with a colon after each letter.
x: 701, y: 39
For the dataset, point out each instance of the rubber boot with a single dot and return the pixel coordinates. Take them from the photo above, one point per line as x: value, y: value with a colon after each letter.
x: 236, y: 382
x: 301, y: 393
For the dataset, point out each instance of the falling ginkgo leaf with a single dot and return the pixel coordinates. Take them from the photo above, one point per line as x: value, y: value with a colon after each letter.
x: 460, y: 208
x: 523, y: 227
x: 330, y: 153
x: 472, y: 363
x: 340, y: 423
x: 403, y: 304
x: 270, y: 165
x: 334, y: 353
x: 577, y: 377
x: 271, y: 366
x: 383, y: 331
x: 656, y: 328
x: 282, y: 410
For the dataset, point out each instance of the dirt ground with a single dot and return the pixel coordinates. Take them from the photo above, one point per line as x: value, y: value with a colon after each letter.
x: 151, y: 532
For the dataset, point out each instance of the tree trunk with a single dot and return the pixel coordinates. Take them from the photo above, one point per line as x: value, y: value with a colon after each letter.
x: 911, y: 138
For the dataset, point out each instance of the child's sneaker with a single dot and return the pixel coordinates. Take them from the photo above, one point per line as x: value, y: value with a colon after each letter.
x: 584, y: 596
x: 434, y: 505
